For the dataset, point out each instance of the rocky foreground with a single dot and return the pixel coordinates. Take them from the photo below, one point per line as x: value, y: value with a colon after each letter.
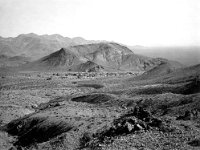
x: 57, y: 110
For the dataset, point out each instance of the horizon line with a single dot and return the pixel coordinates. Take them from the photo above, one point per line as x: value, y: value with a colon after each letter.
x: 134, y: 45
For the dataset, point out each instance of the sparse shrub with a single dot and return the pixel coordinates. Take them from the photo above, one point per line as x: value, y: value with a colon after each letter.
x: 166, y: 128
x: 187, y: 116
x: 50, y: 78
x: 77, y: 118
x: 1, y: 121
x: 85, y: 139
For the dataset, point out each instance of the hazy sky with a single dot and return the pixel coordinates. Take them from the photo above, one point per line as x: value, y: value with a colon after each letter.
x: 131, y: 22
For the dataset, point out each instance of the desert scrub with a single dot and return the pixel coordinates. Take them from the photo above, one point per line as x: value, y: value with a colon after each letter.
x: 85, y: 139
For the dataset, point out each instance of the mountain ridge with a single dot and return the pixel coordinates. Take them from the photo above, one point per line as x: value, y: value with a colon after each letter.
x: 37, y: 46
x: 58, y: 52
x: 97, y: 56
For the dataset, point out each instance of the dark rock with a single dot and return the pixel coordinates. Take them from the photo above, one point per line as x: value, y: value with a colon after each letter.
x: 36, y: 129
x: 131, y: 122
x: 154, y: 122
x: 140, y: 113
x: 49, y: 78
x: 194, y: 143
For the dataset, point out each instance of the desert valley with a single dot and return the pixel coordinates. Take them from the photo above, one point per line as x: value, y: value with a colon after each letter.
x: 59, y: 93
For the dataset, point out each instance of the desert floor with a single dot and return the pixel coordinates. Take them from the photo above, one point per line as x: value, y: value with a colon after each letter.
x: 60, y: 110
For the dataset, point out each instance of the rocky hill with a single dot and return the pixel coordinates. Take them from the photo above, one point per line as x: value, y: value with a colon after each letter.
x: 95, y: 57
x: 164, y: 68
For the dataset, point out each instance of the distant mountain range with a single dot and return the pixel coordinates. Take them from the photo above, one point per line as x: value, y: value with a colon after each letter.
x: 36, y: 46
x: 56, y: 52
x: 14, y: 61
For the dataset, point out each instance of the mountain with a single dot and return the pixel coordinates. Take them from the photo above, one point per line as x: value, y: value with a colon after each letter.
x: 104, y: 54
x: 15, y: 61
x: 80, y: 41
x: 77, y: 54
x: 59, y: 60
x: 95, y: 57
x: 36, y: 46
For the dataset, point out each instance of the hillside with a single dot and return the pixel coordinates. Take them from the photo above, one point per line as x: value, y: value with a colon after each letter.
x: 89, y: 66
x: 160, y: 70
x: 161, y: 79
x: 59, y: 60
